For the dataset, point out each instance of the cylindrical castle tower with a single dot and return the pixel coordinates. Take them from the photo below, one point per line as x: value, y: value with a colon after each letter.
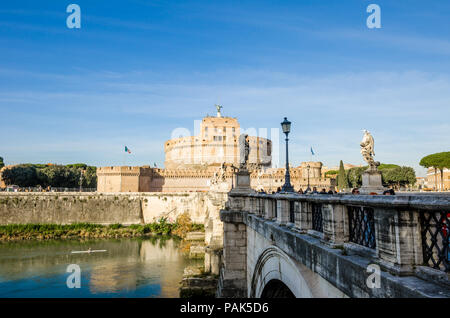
x: 217, y: 143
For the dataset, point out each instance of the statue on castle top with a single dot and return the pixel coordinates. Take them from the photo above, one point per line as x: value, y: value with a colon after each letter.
x: 367, y: 150
x: 219, y: 107
x: 244, y: 151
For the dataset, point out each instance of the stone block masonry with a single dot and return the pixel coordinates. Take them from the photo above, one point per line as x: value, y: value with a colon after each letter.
x: 111, y: 208
x: 67, y: 208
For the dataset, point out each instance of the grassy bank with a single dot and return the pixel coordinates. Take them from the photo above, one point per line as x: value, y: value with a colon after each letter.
x: 88, y: 230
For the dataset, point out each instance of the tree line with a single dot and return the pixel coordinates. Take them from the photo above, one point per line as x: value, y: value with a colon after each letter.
x: 45, y: 175
x: 391, y: 176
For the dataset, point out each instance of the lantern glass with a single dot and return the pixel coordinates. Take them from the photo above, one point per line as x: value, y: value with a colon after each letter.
x: 286, y: 126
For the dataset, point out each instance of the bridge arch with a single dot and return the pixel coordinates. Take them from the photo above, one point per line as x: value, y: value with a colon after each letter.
x: 276, y: 274
x: 276, y: 289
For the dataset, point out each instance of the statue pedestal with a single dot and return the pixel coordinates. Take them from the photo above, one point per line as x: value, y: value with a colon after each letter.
x: 242, y: 182
x: 371, y: 182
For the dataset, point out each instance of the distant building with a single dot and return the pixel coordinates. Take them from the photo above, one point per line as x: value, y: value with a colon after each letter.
x: 2, y: 183
x: 420, y: 183
x: 433, y: 179
x: 347, y: 166
x: 271, y: 179
x: 124, y: 179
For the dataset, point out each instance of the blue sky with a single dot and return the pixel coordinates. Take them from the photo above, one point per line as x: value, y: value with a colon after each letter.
x: 137, y: 70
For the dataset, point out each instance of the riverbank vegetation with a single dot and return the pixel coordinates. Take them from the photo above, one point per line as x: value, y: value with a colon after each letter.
x: 14, y: 232
x: 50, y: 175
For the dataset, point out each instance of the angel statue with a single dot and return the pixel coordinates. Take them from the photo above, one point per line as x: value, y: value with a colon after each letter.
x: 215, y: 179
x: 219, y: 107
x: 221, y: 176
x: 367, y: 150
x: 244, y: 150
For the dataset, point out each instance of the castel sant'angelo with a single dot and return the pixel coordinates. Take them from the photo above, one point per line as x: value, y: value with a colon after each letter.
x: 207, y: 162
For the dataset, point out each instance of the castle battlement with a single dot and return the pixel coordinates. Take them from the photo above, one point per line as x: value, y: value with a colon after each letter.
x: 144, y: 170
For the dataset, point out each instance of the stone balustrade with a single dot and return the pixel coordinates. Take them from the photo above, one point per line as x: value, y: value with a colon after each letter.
x: 406, y: 235
x: 397, y: 224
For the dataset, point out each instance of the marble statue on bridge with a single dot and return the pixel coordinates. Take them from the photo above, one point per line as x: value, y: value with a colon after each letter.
x: 367, y: 150
x: 371, y: 178
x: 244, y: 149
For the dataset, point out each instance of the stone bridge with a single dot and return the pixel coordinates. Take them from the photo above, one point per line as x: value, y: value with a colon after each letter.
x: 292, y: 245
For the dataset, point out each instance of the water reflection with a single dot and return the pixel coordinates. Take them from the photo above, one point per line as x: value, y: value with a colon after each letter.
x: 129, y: 268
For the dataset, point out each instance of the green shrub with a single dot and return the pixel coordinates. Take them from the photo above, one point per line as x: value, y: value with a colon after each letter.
x: 115, y: 226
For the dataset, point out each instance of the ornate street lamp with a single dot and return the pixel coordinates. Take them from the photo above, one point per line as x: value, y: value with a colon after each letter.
x: 308, y: 188
x: 287, y: 187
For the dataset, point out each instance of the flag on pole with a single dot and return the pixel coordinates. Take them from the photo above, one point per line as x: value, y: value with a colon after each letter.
x: 312, y: 152
x: 127, y: 149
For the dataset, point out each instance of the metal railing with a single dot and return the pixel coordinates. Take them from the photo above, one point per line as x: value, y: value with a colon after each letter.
x: 292, y: 211
x: 435, y: 230
x: 361, y: 226
x: 317, y: 220
x: 274, y: 208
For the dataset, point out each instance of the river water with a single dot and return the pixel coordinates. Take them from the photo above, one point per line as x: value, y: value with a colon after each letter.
x: 129, y: 268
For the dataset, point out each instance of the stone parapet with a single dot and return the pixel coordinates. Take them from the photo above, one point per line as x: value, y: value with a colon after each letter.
x: 401, y: 234
x: 426, y: 202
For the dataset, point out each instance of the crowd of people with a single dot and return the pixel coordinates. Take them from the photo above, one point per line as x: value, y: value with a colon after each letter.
x: 355, y: 191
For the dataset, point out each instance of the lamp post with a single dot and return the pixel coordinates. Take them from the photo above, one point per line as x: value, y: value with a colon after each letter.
x: 308, y: 188
x: 287, y: 187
